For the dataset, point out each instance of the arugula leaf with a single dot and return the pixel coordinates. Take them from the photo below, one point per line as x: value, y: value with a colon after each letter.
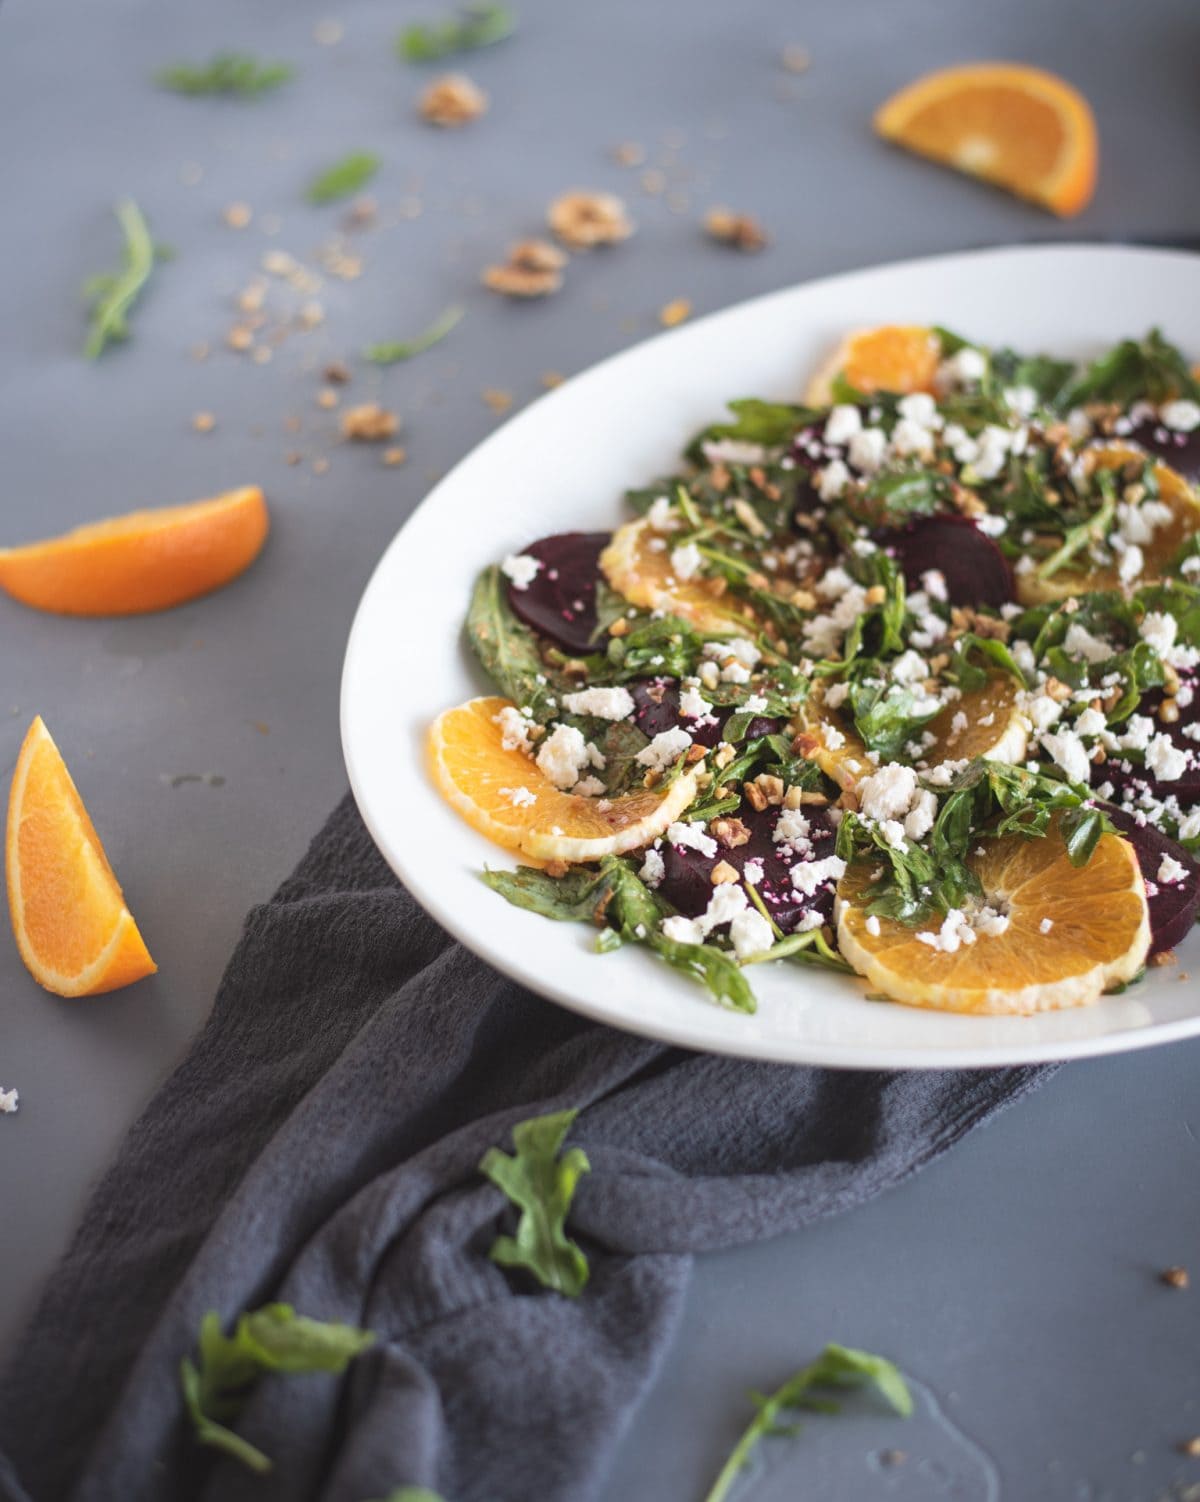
x: 541, y: 1185
x: 235, y: 73
x: 1046, y: 376
x: 390, y: 354
x: 346, y: 176
x: 754, y: 421
x: 667, y: 647
x: 1093, y: 528
x: 895, y: 495
x: 970, y: 675
x: 113, y: 295
x: 1149, y: 369
x: 271, y: 1339
x: 837, y: 1367
x: 572, y: 897
x: 885, y: 716
x: 478, y: 25
x: 506, y: 648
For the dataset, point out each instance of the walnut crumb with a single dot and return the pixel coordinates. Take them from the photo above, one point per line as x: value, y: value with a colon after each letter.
x: 723, y: 874
x: 320, y: 466
x: 533, y: 269
x: 498, y: 400
x: 393, y: 456
x: 730, y: 832
x: 337, y: 373
x: 796, y: 59
x: 369, y: 423
x: 738, y: 230
x: 552, y: 378
x: 204, y: 422
x: 452, y: 100
x: 629, y: 154
x: 1191, y: 1446
x: 1163, y: 957
x: 327, y: 398
x: 674, y: 312
x: 239, y: 337
x: 582, y: 219
x: 1175, y: 1277
x: 238, y: 215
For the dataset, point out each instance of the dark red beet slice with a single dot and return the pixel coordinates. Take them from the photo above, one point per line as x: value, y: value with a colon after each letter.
x: 1173, y: 905
x: 687, y: 882
x: 1180, y: 450
x: 975, y: 570
x: 657, y: 701
x: 560, y: 600
x: 1131, y: 778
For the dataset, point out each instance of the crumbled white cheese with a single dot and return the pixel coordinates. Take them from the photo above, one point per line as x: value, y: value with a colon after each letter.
x: 514, y: 729
x: 910, y: 667
x: 792, y: 828
x: 994, y: 445
x: 1190, y: 827
x: 1090, y: 722
x: 1067, y: 751
x: 521, y: 568
x: 836, y: 694
x: 653, y: 868
x: 589, y: 787
x: 1182, y: 415
x: 692, y: 703
x: 1130, y: 561
x: 1170, y: 870
x: 604, y: 703
x: 893, y: 832
x: 1043, y: 711
x: 734, y: 451
x: 963, y: 368
x: 842, y: 424
x: 1079, y: 642
x: 752, y: 871
x: 1045, y: 925
x: 920, y: 409
x: 872, y: 926
x: 1165, y: 759
x: 755, y: 704
x: 563, y: 756
x: 832, y: 480
x: 954, y: 932
x: 750, y: 933
x: 665, y: 749
x: 1159, y: 629
x: 833, y: 737
x: 911, y: 438
x: 691, y: 836
x: 1138, y: 730
x: 868, y: 449
x: 919, y: 819
x: 1021, y: 400
x: 741, y: 648
x: 809, y: 875
x: 888, y: 793
x: 933, y: 582
x: 661, y: 515
x: 686, y: 560
x: 519, y: 797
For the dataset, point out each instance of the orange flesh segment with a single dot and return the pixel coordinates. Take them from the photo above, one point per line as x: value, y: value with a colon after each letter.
x: 642, y: 573
x: 893, y: 357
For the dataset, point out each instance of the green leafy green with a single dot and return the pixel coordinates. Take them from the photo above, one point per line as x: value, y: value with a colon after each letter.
x: 390, y: 354
x: 886, y: 715
x: 112, y: 295
x: 667, y: 647
x: 346, y: 176
x: 411, y: 1494
x: 1093, y: 528
x: 506, y: 648
x: 768, y: 423
x: 477, y: 25
x: 1149, y: 369
x: 1047, y: 377
x: 969, y: 673
x: 236, y: 73
x: 837, y: 1367
x: 576, y: 897
x: 896, y: 495
x: 541, y: 1185
x: 271, y: 1339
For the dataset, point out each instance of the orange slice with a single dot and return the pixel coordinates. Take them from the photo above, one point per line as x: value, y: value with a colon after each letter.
x: 1098, y: 934
x: 895, y: 357
x: 1018, y: 127
x: 642, y: 573
x: 1080, y: 574
x: 995, y: 729
x: 478, y: 777
x: 73, y: 930
x: 148, y: 560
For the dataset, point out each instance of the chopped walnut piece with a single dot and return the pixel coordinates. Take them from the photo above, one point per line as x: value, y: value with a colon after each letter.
x: 581, y: 219
x: 393, y: 456
x: 723, y: 874
x: 452, y: 100
x: 966, y: 618
x: 237, y: 215
x: 327, y: 398
x: 1191, y: 1446
x: 620, y: 627
x: 738, y: 230
x: 674, y: 312
x: 1164, y: 957
x: 533, y: 269
x: 337, y: 373
x: 725, y: 753
x: 369, y: 423
x: 1175, y: 1277
x: 795, y: 59
x: 497, y: 399
x: 730, y: 832
x: 629, y: 154
x: 770, y: 787
x: 204, y: 422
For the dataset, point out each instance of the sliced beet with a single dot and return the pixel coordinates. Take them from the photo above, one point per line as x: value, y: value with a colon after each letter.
x: 1180, y: 450
x: 976, y: 571
x: 560, y: 600
x: 1173, y: 905
x: 657, y: 709
x: 687, y: 882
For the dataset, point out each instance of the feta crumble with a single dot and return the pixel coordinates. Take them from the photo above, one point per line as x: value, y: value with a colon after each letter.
x: 521, y: 568
x: 603, y: 703
x: 665, y: 749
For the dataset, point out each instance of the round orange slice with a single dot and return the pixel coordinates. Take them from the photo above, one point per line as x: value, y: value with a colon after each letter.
x: 895, y: 357
x: 637, y: 563
x: 505, y: 795
x: 1072, y: 932
x: 147, y: 560
x: 1018, y: 127
x: 1081, y: 574
x: 74, y: 932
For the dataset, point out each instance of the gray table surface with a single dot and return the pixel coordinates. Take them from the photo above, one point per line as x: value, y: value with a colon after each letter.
x: 1015, y: 1280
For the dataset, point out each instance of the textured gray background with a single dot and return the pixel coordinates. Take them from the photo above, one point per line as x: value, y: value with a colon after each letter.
x: 1015, y: 1280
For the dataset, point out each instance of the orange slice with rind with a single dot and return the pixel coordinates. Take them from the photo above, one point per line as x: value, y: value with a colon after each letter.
x: 506, y: 796
x: 1073, y: 932
x: 1017, y: 127
x: 73, y: 930
x: 144, y: 561
x: 637, y: 564
x: 893, y: 357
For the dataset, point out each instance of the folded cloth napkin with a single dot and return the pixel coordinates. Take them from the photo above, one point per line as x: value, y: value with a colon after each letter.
x: 320, y: 1145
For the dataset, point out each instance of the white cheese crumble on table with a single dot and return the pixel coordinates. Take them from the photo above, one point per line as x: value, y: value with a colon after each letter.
x: 8, y: 1101
x: 521, y: 568
x: 604, y: 703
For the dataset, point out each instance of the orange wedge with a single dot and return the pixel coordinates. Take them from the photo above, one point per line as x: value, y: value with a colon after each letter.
x: 895, y: 357
x: 1081, y: 574
x: 1018, y: 127
x: 1098, y: 934
x: 478, y: 777
x: 148, y: 560
x: 72, y: 927
x: 642, y: 573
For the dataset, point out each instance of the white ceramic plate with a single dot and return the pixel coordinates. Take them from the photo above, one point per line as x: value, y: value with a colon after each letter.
x: 562, y: 464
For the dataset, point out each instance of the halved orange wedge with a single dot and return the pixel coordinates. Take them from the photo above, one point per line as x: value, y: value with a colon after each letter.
x: 1081, y: 574
x: 1018, y: 127
x: 1072, y: 932
x: 74, y: 932
x: 642, y: 572
x: 505, y: 795
x: 894, y: 357
x: 147, y: 560
x: 985, y: 722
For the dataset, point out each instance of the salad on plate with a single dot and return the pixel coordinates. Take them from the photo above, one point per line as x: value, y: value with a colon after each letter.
x: 899, y: 680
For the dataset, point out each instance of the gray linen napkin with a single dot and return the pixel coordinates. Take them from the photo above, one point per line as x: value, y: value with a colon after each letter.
x: 319, y: 1145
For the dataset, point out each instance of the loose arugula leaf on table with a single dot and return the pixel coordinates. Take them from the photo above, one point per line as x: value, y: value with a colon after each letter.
x: 236, y: 73
x: 541, y: 1185
x: 478, y: 25
x: 346, y: 176
x: 837, y: 1367
x: 506, y: 648
x: 1149, y: 369
x: 271, y: 1339
x: 391, y: 354
x: 112, y: 295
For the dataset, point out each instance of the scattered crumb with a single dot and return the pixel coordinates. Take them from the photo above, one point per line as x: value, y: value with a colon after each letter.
x: 583, y: 219
x: 261, y: 726
x: 292, y: 457
x: 369, y: 423
x: 327, y: 398
x: 674, y: 312
x: 340, y: 262
x: 1163, y: 957
x: 328, y: 33
x: 362, y: 212
x: 320, y: 466
x: 292, y: 424
x: 239, y: 337
x: 337, y: 372
x: 310, y: 315
x: 1174, y: 1277
x: 892, y: 1457
x: 238, y: 215
x: 204, y: 422
x: 261, y: 355
x: 452, y: 100
x: 1191, y: 1446
x: 552, y: 378
x: 499, y: 401
x: 533, y: 269
x: 8, y: 1101
x: 795, y: 59
x: 653, y: 181
x: 738, y: 230
x: 393, y: 456
x: 629, y: 154
x: 250, y: 299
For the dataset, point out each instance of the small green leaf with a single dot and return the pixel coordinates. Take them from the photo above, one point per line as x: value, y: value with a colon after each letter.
x: 235, y: 73
x: 541, y: 1185
x: 1149, y: 369
x: 390, y: 354
x: 113, y: 295
x: 479, y: 25
x: 346, y: 176
x: 506, y: 648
